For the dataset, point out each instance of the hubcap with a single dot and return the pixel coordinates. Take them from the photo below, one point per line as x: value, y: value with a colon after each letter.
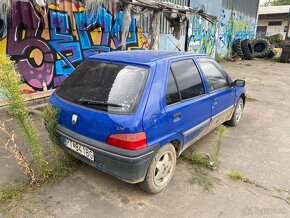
x: 163, y: 169
x: 239, y: 111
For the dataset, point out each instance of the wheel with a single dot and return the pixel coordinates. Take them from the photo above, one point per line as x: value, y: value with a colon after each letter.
x: 284, y: 57
x: 237, y: 46
x: 160, y: 171
x: 247, y: 49
x: 271, y: 54
x: 237, y: 115
x: 261, y: 48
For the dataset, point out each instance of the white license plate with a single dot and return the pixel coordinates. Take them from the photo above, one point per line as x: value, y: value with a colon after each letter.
x: 80, y: 149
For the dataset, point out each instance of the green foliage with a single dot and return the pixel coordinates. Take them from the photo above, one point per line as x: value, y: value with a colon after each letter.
x: 235, y: 175
x: 198, y: 159
x: 9, y: 86
x: 219, y: 58
x: 276, y: 40
x: 203, y: 179
x: 13, y: 192
x: 276, y: 3
x: 211, y: 161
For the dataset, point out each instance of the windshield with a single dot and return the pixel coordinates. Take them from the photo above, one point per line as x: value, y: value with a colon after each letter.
x: 110, y: 87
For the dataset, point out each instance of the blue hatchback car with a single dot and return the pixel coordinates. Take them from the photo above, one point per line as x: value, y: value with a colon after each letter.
x: 131, y: 114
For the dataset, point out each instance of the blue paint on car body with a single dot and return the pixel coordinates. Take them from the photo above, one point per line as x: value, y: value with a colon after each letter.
x: 181, y: 123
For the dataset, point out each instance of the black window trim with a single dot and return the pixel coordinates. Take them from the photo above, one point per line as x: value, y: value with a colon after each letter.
x: 180, y: 98
x: 203, y: 60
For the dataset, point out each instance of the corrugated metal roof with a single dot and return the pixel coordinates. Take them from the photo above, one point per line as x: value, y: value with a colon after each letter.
x: 275, y: 9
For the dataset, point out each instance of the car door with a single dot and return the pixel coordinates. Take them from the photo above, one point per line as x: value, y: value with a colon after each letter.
x: 222, y: 93
x: 188, y: 106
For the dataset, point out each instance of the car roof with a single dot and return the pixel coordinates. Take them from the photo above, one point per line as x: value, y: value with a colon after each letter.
x: 141, y: 56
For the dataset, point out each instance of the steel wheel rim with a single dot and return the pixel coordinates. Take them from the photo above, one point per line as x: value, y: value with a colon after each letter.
x: 164, y: 169
x: 239, y: 111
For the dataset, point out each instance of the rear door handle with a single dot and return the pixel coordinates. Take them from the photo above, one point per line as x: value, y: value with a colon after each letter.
x: 215, y: 101
x: 177, y: 116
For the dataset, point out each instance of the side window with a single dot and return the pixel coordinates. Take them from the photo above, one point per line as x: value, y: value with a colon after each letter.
x: 214, y: 77
x: 172, y: 95
x: 187, y: 78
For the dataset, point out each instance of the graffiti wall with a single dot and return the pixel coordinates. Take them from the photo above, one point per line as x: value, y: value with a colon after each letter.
x: 48, y: 45
x: 203, y: 36
x: 234, y: 25
x: 235, y: 19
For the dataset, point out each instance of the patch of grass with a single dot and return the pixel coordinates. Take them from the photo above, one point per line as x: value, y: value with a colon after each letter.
x: 203, y: 179
x: 235, y: 175
x: 277, y: 58
x: 15, y: 191
x: 219, y: 58
x: 200, y: 160
x: 9, y: 86
x: 211, y: 161
x: 248, y: 65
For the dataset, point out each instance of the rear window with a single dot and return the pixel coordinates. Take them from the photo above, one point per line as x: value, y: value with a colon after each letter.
x: 109, y: 87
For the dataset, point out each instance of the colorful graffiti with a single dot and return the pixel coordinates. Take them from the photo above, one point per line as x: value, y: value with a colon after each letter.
x: 234, y: 25
x: 48, y: 45
x: 203, y: 36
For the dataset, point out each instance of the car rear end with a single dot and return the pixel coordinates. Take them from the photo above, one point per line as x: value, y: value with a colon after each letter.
x: 101, y: 108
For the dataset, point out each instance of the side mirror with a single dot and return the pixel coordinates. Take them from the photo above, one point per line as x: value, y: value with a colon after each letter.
x: 240, y: 83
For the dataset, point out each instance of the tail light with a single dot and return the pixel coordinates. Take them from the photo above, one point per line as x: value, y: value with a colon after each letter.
x: 134, y: 141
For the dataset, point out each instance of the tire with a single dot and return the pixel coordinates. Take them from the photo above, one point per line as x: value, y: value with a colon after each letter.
x: 261, y: 48
x: 284, y: 57
x: 166, y: 159
x: 247, y: 49
x: 237, y: 47
x: 237, y: 115
x: 271, y: 54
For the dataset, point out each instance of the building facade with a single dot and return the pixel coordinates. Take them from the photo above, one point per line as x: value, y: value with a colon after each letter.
x: 273, y: 20
x: 47, y: 44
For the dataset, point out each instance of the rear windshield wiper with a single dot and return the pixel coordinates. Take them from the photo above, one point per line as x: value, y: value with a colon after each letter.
x: 94, y: 102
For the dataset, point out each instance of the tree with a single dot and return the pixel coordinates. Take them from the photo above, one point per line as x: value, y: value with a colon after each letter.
x: 276, y: 3
x: 280, y: 2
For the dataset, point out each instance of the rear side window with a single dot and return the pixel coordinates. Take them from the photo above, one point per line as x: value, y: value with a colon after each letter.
x: 172, y: 95
x: 214, y: 77
x: 109, y: 87
x: 187, y: 78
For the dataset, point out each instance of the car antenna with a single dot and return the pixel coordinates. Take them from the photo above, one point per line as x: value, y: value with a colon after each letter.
x: 174, y: 43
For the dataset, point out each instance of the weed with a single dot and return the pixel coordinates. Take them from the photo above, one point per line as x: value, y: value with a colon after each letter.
x: 202, y: 178
x: 211, y: 161
x: 9, y: 86
x: 235, y: 175
x: 248, y: 65
x: 277, y: 58
x: 13, y: 149
x: 198, y: 159
x: 15, y: 191
x: 219, y: 58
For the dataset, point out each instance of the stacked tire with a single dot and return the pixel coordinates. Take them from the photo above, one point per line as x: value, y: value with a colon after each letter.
x: 248, y: 49
x: 244, y: 49
x: 263, y: 49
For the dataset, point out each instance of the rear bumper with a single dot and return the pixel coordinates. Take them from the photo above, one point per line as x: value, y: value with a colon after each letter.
x: 129, y: 166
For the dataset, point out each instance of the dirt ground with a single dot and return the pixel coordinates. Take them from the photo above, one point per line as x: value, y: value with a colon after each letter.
x: 259, y: 148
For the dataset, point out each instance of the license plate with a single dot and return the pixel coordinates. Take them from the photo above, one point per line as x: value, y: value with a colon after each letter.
x: 84, y: 151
